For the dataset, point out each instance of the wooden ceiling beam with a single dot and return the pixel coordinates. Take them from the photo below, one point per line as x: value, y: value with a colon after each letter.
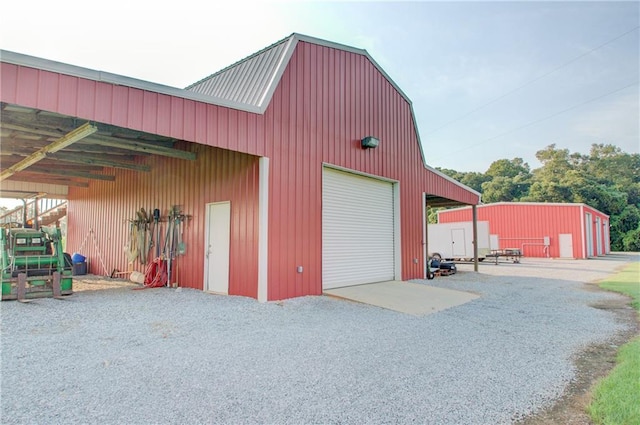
x: 71, y: 173
x: 28, y: 129
x: 53, y: 165
x: 141, y: 147
x: 77, y: 158
x: 20, y: 146
x: 64, y: 141
x: 25, y: 177
x: 54, y: 126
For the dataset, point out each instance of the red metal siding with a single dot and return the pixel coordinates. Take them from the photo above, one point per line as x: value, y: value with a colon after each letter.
x: 597, y: 224
x: 48, y: 90
x: 217, y: 175
x: 120, y: 106
x: 67, y: 95
x: 86, y: 99
x: 524, y: 225
x: 9, y: 83
x: 326, y: 101
x: 27, y: 93
x: 104, y: 93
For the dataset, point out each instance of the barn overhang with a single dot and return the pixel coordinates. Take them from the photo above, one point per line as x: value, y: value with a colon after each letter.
x: 444, y: 192
x: 29, y: 132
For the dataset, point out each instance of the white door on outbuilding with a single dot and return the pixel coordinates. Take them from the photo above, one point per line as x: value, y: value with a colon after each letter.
x: 565, y: 240
x: 358, y: 229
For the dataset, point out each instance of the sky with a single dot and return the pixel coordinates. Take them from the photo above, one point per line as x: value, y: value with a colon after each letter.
x: 487, y: 80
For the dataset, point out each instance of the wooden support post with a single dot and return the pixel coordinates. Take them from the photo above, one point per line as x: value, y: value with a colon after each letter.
x: 57, y: 291
x: 22, y: 287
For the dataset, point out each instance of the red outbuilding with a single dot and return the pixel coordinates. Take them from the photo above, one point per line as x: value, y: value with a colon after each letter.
x: 296, y: 169
x: 552, y: 230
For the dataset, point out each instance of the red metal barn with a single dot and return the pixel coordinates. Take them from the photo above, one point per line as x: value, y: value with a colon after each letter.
x: 542, y: 229
x: 300, y: 167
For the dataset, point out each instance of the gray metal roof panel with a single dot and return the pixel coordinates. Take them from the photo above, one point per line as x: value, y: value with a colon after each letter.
x: 251, y: 80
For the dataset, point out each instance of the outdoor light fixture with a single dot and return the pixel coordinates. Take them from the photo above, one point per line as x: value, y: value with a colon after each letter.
x: 370, y: 142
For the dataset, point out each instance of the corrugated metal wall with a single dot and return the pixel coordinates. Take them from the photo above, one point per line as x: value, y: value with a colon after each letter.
x: 326, y: 102
x: 216, y: 175
x: 599, y: 230
x: 524, y: 225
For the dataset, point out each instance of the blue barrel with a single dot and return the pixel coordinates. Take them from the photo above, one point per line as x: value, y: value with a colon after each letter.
x: 78, y: 258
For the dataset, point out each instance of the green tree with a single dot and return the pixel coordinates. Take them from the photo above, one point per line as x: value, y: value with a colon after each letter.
x: 550, y: 183
x: 606, y: 161
x: 508, y: 168
x: 509, y: 180
x: 474, y: 180
x: 622, y: 224
x: 500, y: 189
x: 432, y: 215
x: 631, y: 240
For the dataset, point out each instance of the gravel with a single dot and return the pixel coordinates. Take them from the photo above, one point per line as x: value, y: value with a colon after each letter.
x: 156, y: 356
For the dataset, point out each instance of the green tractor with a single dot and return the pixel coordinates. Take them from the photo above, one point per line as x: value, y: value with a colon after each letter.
x: 34, y: 264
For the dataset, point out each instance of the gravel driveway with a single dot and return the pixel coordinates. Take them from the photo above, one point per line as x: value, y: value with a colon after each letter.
x: 121, y: 356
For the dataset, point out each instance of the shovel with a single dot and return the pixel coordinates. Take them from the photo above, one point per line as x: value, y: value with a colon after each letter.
x: 182, y: 248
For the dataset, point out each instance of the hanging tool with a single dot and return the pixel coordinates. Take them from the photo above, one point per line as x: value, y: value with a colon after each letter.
x: 143, y: 234
x: 168, y: 246
x: 182, y: 248
x: 156, y: 221
x: 131, y: 249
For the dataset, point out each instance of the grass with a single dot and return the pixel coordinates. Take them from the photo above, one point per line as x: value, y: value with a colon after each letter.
x: 626, y: 282
x: 615, y: 398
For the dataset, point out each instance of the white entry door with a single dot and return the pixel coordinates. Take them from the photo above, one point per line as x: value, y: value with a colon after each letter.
x: 566, y: 245
x: 218, y: 231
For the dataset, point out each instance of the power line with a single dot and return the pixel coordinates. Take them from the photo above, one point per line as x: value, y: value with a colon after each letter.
x: 532, y: 81
x: 546, y: 118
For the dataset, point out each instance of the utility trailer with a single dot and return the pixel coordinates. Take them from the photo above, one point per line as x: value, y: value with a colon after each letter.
x: 454, y: 241
x: 34, y: 264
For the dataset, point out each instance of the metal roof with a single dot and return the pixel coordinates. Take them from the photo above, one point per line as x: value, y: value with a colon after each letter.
x: 247, y: 85
x: 250, y: 81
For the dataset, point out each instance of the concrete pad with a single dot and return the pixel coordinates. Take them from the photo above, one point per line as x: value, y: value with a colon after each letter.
x: 405, y: 297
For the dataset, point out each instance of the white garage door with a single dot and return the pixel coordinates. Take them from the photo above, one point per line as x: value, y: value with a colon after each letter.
x: 357, y: 230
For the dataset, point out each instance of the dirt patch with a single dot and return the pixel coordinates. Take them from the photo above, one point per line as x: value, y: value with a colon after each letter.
x: 96, y: 283
x: 593, y: 363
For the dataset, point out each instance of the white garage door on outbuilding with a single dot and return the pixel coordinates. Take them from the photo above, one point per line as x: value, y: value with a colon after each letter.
x: 358, y: 229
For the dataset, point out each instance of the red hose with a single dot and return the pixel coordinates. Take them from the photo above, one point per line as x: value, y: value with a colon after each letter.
x: 155, y: 276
